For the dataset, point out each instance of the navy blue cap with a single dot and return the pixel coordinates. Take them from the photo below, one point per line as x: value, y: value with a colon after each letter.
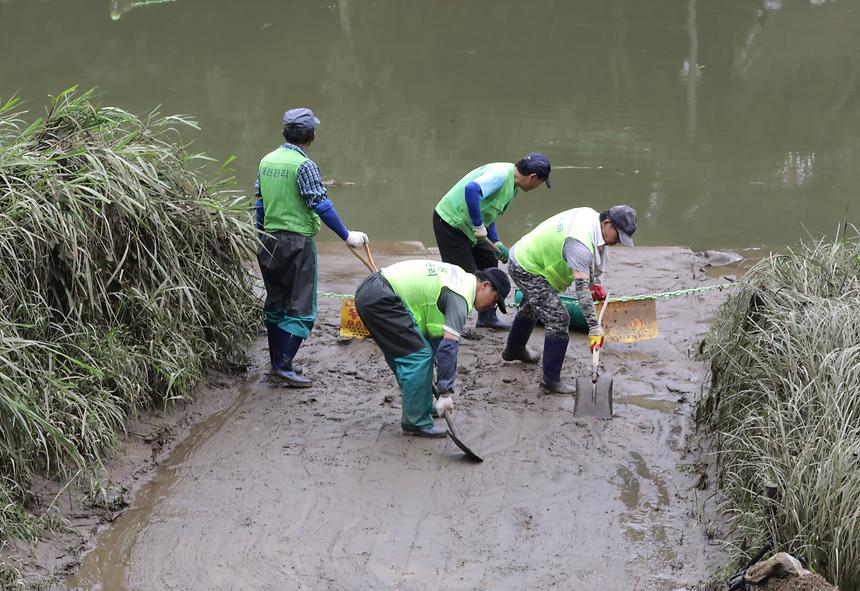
x: 537, y: 163
x: 501, y: 284
x: 302, y: 118
x: 624, y: 219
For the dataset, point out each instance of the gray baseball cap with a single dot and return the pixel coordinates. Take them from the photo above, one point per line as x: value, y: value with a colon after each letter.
x: 301, y: 117
x: 624, y: 219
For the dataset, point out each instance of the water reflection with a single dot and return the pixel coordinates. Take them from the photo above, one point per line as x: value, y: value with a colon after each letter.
x: 411, y: 93
x: 746, y: 53
x: 120, y: 7
x: 690, y: 71
x: 796, y: 171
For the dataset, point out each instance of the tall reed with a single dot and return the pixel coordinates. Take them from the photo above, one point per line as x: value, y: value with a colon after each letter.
x: 123, y: 276
x: 784, y: 406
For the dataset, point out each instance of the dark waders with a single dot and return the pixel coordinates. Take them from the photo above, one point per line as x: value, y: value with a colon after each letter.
x: 407, y: 351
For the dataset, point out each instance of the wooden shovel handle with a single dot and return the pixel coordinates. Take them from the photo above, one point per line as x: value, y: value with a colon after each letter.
x: 370, y: 257
x: 492, y: 244
x: 369, y: 264
x: 603, y: 309
x: 595, y: 355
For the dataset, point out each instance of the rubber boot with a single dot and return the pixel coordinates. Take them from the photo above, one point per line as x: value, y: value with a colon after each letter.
x: 273, y: 336
x: 517, y: 346
x: 433, y: 432
x: 489, y: 319
x: 292, y: 343
x: 554, y: 349
x: 282, y: 348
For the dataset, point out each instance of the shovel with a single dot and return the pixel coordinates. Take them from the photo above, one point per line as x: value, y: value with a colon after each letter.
x: 594, y: 392
x: 452, y: 433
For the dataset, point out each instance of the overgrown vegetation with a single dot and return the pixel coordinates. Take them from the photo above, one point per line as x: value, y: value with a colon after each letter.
x: 122, y: 278
x: 784, y: 407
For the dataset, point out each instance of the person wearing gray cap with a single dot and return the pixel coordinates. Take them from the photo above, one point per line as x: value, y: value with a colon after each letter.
x: 291, y: 202
x: 464, y: 220
x: 569, y: 247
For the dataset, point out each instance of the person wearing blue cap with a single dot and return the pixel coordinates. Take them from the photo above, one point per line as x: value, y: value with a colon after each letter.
x: 291, y: 202
x: 567, y: 248
x: 464, y: 220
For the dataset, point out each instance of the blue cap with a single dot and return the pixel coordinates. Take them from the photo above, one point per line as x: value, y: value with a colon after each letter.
x: 302, y: 118
x: 537, y: 163
x: 624, y: 219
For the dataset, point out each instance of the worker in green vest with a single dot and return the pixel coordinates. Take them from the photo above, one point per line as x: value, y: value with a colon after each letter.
x: 567, y: 248
x: 415, y: 310
x: 291, y: 202
x: 465, y: 219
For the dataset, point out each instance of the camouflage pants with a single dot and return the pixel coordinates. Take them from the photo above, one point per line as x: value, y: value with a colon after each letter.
x: 540, y: 301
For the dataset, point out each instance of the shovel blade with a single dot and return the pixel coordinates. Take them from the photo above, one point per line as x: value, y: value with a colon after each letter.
x: 452, y: 433
x: 594, y: 399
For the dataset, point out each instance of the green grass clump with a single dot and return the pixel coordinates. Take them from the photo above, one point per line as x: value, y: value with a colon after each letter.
x: 123, y: 277
x: 784, y: 407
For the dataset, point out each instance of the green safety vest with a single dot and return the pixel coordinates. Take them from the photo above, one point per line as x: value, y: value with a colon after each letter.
x: 453, y: 209
x: 284, y: 207
x: 419, y: 283
x: 541, y: 251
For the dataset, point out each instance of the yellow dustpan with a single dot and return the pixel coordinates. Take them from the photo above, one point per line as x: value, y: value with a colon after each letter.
x: 630, y: 321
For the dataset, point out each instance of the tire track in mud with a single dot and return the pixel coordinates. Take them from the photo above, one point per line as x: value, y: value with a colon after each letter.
x: 318, y: 489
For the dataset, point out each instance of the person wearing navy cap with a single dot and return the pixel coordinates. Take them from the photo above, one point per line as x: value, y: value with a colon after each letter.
x: 569, y: 247
x: 291, y: 202
x: 415, y: 310
x: 464, y: 220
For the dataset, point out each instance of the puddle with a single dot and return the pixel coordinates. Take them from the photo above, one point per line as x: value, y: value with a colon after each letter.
x: 650, y: 403
x: 105, y: 568
x: 629, y: 487
x: 644, y: 472
x: 644, y: 519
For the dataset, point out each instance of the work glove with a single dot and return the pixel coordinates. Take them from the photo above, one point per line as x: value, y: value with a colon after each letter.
x: 502, y: 252
x: 595, y: 338
x: 598, y: 294
x: 480, y: 232
x: 356, y: 239
x: 443, y: 404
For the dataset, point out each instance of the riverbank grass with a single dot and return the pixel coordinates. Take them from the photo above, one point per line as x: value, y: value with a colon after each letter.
x: 123, y: 278
x: 784, y: 407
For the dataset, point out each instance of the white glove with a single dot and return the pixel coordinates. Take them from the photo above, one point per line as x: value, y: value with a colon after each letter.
x: 444, y: 404
x: 356, y: 239
x: 480, y: 232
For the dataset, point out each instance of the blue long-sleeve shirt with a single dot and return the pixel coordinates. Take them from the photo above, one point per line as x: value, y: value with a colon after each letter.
x: 474, y: 194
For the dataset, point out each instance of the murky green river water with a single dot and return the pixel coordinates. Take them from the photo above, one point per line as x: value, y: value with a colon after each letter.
x: 726, y: 123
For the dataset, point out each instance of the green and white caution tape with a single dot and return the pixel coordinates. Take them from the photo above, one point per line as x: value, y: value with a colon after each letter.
x: 633, y: 298
x: 673, y: 294
x: 331, y: 294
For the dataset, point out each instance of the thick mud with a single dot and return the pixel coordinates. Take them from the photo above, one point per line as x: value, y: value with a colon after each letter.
x: 318, y: 488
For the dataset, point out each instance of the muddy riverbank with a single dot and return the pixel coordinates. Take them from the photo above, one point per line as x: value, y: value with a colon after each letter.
x: 309, y: 489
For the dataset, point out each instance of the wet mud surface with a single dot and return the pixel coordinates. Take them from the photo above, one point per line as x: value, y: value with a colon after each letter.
x: 318, y: 488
